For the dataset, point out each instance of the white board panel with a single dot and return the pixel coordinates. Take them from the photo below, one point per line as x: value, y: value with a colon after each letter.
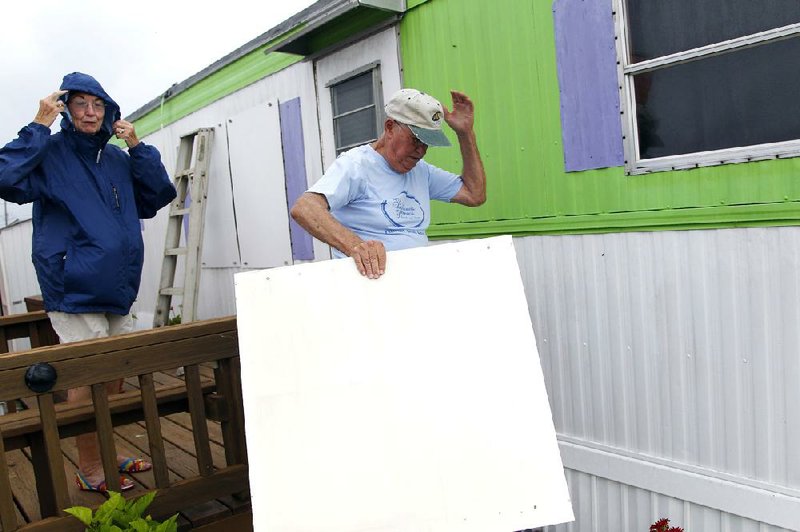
x: 411, y: 402
x: 220, y: 249
x: 259, y: 187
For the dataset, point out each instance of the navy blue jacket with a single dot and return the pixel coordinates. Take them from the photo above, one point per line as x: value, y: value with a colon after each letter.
x: 88, y: 197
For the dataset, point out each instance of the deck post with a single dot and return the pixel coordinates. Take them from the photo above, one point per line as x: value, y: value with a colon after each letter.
x: 8, y: 517
x: 41, y: 473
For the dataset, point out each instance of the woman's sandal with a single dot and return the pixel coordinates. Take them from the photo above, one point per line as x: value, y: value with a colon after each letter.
x: 134, y: 465
x: 84, y: 484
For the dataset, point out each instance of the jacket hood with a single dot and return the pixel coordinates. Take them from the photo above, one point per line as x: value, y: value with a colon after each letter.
x: 80, y: 82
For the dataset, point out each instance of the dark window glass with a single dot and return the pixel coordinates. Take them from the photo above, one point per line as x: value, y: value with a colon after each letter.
x: 663, y: 27
x: 353, y: 94
x: 354, y: 112
x: 740, y: 98
x: 355, y: 128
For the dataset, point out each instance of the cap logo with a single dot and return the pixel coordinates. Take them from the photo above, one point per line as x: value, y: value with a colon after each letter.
x: 436, y: 116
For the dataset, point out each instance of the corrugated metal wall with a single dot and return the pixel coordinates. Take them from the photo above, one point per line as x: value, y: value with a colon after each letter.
x: 220, y: 252
x: 605, y: 506
x: 17, y: 275
x: 16, y: 269
x: 673, y: 361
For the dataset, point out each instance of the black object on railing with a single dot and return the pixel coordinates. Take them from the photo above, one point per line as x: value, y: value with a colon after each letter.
x: 40, y: 377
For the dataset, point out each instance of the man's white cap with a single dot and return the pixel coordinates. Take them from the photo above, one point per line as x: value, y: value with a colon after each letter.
x: 421, y: 112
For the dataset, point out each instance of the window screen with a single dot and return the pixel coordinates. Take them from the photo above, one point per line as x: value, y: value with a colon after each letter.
x: 659, y: 27
x: 356, y: 116
x: 709, y: 76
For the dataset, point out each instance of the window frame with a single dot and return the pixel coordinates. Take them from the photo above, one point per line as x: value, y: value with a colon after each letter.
x: 377, y: 102
x: 634, y: 164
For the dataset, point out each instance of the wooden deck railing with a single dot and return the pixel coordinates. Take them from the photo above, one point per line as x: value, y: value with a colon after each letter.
x: 35, y: 326
x: 140, y: 355
x: 32, y: 325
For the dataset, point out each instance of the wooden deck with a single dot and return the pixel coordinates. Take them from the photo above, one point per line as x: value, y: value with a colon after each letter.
x: 191, y: 427
x: 132, y: 440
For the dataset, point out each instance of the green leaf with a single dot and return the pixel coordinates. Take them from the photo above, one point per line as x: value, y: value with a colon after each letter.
x: 170, y: 525
x: 110, y: 507
x: 83, y: 514
x: 139, y: 525
x: 140, y: 505
x: 120, y: 515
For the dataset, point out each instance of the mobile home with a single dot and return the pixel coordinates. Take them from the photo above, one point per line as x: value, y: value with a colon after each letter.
x: 644, y: 156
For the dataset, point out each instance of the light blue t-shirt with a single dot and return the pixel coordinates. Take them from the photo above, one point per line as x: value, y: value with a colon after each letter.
x: 377, y: 203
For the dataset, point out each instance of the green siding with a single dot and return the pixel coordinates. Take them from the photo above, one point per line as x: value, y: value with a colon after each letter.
x: 503, y: 55
x: 255, y: 66
x: 237, y: 75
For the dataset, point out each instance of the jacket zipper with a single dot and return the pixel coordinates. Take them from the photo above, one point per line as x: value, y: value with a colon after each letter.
x: 113, y: 187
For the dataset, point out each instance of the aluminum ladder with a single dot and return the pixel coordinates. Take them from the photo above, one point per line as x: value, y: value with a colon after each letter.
x: 191, y: 182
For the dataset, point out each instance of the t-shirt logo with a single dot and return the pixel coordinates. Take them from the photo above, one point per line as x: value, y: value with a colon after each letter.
x: 404, y: 210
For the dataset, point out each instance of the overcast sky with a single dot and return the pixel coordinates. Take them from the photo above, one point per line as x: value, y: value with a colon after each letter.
x: 136, y: 50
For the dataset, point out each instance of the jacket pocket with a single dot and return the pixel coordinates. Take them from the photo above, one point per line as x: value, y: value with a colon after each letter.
x: 92, y: 277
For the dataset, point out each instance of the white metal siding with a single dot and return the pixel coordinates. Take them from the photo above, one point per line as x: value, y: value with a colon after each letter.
x: 17, y: 277
x: 605, y: 506
x: 221, y: 251
x: 16, y: 271
x: 673, y: 354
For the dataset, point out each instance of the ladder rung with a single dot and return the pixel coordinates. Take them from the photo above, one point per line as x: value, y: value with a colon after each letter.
x: 175, y: 251
x: 171, y: 291
x: 179, y: 212
x: 185, y: 173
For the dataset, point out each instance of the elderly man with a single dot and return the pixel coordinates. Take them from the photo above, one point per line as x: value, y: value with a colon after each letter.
x: 376, y: 197
x: 87, y: 197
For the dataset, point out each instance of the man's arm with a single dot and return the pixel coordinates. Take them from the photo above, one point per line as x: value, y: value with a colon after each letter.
x: 311, y: 212
x: 461, y: 119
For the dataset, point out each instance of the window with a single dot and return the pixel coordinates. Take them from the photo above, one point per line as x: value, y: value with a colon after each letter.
x: 708, y: 82
x: 357, y: 108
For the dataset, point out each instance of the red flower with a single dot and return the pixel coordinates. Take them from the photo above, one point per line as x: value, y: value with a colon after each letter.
x: 662, y: 525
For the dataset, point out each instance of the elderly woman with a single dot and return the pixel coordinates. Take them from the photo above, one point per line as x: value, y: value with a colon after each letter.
x: 88, y: 197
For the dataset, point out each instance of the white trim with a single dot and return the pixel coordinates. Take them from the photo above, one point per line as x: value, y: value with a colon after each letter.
x: 762, y: 502
x: 352, y: 74
x: 756, y: 152
x: 630, y: 140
